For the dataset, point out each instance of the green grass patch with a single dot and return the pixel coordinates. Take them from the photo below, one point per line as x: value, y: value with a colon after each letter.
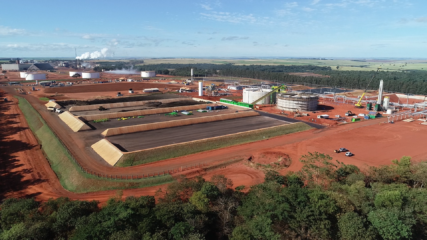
x: 100, y: 120
x: 44, y: 99
x: 182, y: 149
x: 69, y: 173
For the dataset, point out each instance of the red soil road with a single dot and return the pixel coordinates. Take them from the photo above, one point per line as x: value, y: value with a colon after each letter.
x: 25, y: 172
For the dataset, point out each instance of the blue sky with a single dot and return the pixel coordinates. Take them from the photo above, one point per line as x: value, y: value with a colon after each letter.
x: 217, y: 28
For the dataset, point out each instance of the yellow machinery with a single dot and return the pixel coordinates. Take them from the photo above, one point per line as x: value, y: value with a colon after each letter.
x: 274, y: 89
x: 359, y: 103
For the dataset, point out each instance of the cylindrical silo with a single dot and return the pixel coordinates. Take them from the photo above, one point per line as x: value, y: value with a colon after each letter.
x: 23, y: 74
x: 35, y: 76
x: 250, y: 95
x: 300, y: 102
x: 386, y: 102
x: 148, y: 74
x: 200, y: 88
x: 73, y: 73
x: 90, y: 75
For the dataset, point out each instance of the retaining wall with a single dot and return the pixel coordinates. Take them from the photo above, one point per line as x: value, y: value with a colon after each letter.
x: 73, y: 122
x: 175, y: 123
x: 122, y: 104
x: 143, y: 112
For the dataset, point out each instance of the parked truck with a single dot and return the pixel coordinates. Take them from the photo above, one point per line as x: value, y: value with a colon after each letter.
x: 211, y: 108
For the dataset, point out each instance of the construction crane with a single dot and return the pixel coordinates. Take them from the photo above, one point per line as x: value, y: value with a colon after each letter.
x: 359, y: 103
x: 274, y: 89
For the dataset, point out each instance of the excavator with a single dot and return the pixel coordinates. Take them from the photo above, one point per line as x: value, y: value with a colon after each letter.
x: 359, y: 103
x: 283, y: 88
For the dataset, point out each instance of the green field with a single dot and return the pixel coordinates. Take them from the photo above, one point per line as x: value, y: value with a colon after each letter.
x: 344, y: 64
x: 69, y: 173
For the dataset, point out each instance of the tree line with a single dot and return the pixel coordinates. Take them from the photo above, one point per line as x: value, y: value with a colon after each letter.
x: 325, y: 200
x: 414, y: 82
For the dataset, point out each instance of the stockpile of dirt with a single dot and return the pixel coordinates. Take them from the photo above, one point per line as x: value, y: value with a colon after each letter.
x: 107, y: 87
x: 274, y: 159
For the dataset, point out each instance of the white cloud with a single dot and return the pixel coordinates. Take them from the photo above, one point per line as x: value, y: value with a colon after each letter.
x: 232, y: 38
x: 230, y: 17
x: 7, y: 31
x: 421, y: 19
x: 307, y: 9
x: 291, y: 5
x: 206, y: 6
x: 38, y: 47
x: 315, y: 2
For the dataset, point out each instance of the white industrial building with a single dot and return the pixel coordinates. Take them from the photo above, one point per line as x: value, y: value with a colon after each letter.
x: 27, y: 67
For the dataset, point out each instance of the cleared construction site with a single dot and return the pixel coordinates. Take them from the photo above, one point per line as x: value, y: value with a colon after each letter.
x: 124, y: 133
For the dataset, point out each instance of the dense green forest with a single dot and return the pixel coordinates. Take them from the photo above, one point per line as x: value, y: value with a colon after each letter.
x: 325, y: 200
x: 414, y: 82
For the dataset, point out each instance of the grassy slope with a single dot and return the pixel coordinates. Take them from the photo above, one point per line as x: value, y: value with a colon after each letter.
x: 182, y: 149
x: 68, y: 172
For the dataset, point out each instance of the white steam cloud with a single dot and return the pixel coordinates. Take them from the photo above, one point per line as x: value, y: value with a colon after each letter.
x: 94, y: 55
x: 124, y: 71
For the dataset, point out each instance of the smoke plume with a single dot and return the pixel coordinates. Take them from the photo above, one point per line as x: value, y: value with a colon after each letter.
x: 94, y: 55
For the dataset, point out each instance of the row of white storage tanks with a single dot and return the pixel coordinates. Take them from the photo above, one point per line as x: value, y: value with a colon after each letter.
x: 86, y: 75
x: 32, y: 76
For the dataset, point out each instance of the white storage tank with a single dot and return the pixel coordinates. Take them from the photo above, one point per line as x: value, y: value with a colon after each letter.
x: 23, y: 74
x: 386, y: 102
x: 147, y: 74
x: 301, y: 102
x: 90, y: 75
x: 73, y: 73
x: 35, y: 76
x: 250, y: 95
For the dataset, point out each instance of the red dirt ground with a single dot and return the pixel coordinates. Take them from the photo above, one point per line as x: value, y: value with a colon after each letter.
x: 373, y: 143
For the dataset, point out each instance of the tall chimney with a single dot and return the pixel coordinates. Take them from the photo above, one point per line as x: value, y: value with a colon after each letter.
x: 380, y: 93
x: 192, y: 75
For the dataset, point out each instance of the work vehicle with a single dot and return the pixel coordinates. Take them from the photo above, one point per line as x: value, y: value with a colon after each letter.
x: 348, y: 154
x: 359, y: 103
x: 349, y: 114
